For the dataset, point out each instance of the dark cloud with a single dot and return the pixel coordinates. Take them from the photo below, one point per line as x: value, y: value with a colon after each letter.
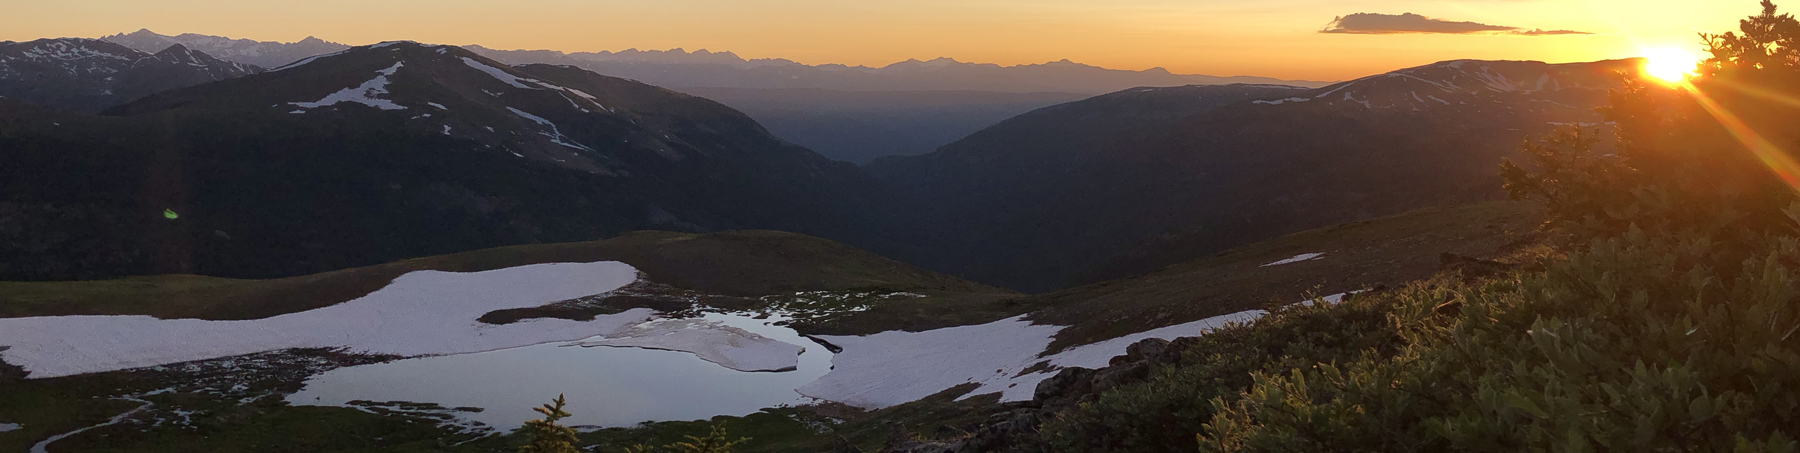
x: 1387, y: 24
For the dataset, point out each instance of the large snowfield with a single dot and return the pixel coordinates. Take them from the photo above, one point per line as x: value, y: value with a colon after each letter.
x: 896, y: 367
x: 431, y: 313
x: 420, y: 313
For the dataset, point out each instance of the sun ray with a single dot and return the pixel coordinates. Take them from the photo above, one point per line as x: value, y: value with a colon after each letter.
x: 1771, y: 155
x: 1758, y: 92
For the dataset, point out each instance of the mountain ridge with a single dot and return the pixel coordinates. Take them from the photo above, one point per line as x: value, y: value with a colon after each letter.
x: 397, y: 150
x: 727, y: 70
x: 267, y: 54
x: 1143, y: 180
x: 90, y: 75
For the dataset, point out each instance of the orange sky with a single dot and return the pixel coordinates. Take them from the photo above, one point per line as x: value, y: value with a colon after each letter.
x: 1276, y: 38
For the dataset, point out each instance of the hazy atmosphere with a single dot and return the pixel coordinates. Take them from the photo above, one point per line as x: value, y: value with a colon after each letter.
x: 1273, y: 38
x: 930, y: 226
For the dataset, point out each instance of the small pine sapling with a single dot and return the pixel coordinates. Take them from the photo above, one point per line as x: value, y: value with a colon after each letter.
x: 544, y: 435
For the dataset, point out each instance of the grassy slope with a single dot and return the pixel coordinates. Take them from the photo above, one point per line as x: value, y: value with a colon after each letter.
x: 1386, y: 251
x: 737, y: 263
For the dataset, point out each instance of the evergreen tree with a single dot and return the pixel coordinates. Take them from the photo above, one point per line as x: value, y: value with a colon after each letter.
x: 1713, y: 156
x: 544, y: 435
x: 714, y: 442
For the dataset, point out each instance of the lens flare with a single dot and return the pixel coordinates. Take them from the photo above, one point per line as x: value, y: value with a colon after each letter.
x: 1772, y: 155
x: 1669, y: 64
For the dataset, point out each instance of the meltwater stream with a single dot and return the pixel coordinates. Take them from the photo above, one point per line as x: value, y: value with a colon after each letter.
x: 605, y: 386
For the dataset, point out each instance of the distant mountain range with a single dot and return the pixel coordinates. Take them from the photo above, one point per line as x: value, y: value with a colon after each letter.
x: 1128, y: 182
x: 390, y: 151
x: 678, y: 68
x: 849, y: 113
x: 267, y: 54
x: 87, y: 75
x: 859, y: 113
x: 394, y: 150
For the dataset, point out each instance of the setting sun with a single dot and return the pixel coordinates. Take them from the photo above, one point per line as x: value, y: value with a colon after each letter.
x: 1670, y: 64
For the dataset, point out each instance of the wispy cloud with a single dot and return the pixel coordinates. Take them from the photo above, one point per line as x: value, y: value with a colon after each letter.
x: 1389, y: 24
x: 1543, y: 32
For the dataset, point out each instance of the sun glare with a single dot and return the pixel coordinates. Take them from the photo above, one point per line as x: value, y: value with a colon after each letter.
x: 1670, y: 64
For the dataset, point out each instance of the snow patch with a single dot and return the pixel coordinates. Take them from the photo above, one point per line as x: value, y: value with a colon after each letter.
x: 1296, y: 259
x: 897, y: 367
x: 439, y: 106
x: 713, y: 341
x: 419, y: 313
x: 44, y: 446
x: 1334, y: 90
x: 6, y: 427
x: 555, y: 134
x: 362, y: 94
x: 1097, y: 355
x: 306, y: 60
x: 503, y: 76
x: 1281, y: 101
x: 64, y: 51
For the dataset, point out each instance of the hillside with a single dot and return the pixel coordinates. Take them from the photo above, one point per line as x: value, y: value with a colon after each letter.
x: 392, y: 151
x: 1143, y: 178
x: 734, y: 263
x: 86, y: 75
x: 1086, y: 327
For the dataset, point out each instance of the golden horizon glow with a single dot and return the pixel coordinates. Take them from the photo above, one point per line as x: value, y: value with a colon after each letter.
x: 1671, y: 64
x: 1269, y: 38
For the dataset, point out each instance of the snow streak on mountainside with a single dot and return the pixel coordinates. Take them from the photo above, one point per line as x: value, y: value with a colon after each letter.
x: 90, y: 75
x: 1464, y: 82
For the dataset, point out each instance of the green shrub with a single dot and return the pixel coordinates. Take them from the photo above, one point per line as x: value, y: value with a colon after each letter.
x: 714, y: 442
x: 1163, y: 413
x: 1637, y: 344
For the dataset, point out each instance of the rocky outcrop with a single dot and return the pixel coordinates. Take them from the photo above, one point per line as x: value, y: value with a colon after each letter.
x: 1067, y: 389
